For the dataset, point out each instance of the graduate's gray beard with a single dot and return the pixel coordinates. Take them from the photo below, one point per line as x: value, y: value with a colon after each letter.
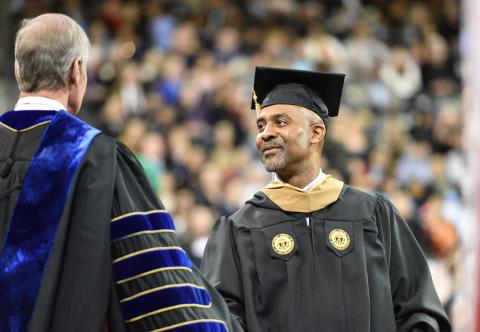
x: 275, y: 164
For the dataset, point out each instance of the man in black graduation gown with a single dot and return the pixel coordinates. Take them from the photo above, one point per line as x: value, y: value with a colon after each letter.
x: 308, y: 252
x: 85, y: 244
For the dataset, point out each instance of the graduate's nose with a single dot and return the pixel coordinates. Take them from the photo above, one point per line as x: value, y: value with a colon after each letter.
x: 269, y: 132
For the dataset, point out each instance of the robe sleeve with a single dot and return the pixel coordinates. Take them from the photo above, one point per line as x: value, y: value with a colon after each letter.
x: 155, y: 283
x: 416, y: 303
x: 221, y: 267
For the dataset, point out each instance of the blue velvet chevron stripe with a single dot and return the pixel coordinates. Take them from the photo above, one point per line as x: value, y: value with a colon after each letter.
x: 163, y: 299
x: 26, y: 119
x: 136, y: 223
x: 38, y: 211
x: 151, y: 260
x: 201, y: 325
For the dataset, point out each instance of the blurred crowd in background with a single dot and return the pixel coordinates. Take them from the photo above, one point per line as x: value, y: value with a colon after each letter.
x: 173, y: 81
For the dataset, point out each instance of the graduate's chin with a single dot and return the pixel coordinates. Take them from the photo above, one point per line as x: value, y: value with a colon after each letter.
x: 273, y: 164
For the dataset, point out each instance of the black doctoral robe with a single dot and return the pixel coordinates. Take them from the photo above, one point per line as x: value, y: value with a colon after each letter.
x: 152, y: 280
x: 330, y: 259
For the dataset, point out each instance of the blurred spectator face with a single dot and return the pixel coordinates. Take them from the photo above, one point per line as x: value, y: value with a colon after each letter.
x: 379, y: 157
x: 111, y: 14
x: 185, y: 41
x: 397, y: 9
x: 361, y: 29
x: 243, y: 158
x: 451, y: 10
x: 131, y: 90
x: 179, y: 143
x: 200, y: 221
x: 404, y: 204
x: 174, y: 68
x: 227, y: 43
x: 399, y: 59
x: 131, y: 12
x: 199, y: 224
x: 205, y: 70
x: 349, y: 129
x: 275, y: 44
x: 447, y: 126
x: 437, y: 49
x: 196, y: 159
x: 282, y: 139
x: 211, y: 183
x: 152, y: 146
x: 130, y: 74
x: 419, y: 14
x: 379, y: 164
x: 133, y: 133
x: 224, y: 135
x: 438, y: 167
x: 151, y: 65
x: 359, y: 176
x: 171, y: 83
x: 420, y: 151
x: 191, y: 98
x: 97, y: 34
x: 211, y: 177
x: 234, y: 194
x: 112, y: 110
x: 185, y: 200
x: 414, y: 167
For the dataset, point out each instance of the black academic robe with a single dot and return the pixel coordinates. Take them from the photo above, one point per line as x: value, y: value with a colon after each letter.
x: 80, y: 291
x: 370, y: 276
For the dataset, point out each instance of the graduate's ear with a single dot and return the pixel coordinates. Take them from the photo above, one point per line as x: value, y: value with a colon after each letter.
x: 75, y: 72
x: 77, y: 84
x: 318, y: 132
x: 17, y: 71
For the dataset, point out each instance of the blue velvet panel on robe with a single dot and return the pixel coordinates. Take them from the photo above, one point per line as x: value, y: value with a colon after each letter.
x: 164, y: 299
x: 20, y: 120
x: 149, y: 261
x: 38, y: 211
x: 201, y: 326
x: 141, y: 222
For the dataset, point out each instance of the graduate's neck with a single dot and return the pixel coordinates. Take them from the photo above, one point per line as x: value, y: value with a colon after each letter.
x: 300, y: 177
x: 60, y: 95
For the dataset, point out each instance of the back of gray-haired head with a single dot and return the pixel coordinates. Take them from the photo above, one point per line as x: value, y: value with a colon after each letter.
x: 45, y: 48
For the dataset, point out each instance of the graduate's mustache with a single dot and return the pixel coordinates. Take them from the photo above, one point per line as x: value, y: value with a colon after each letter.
x: 270, y: 145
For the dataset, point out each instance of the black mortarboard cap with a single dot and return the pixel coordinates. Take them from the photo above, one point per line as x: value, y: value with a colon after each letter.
x: 316, y: 91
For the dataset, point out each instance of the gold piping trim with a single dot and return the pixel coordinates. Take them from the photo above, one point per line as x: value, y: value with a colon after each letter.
x: 178, y: 306
x: 190, y: 322
x: 25, y: 129
x: 161, y: 269
x: 146, y: 250
x: 160, y: 288
x: 145, y: 232
x: 134, y: 213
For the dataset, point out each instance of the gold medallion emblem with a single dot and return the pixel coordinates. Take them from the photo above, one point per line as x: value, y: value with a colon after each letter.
x: 339, y: 239
x: 283, y: 244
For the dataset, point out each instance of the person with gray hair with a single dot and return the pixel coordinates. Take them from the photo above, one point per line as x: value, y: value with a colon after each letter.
x: 85, y: 245
x: 35, y: 49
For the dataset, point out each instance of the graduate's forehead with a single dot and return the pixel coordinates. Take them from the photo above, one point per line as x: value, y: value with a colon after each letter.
x: 293, y: 112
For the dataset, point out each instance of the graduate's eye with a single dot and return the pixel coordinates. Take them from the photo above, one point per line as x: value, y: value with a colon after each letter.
x: 281, y: 123
x: 261, y: 127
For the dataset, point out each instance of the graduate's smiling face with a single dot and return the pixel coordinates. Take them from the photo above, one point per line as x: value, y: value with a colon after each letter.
x: 285, y: 137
